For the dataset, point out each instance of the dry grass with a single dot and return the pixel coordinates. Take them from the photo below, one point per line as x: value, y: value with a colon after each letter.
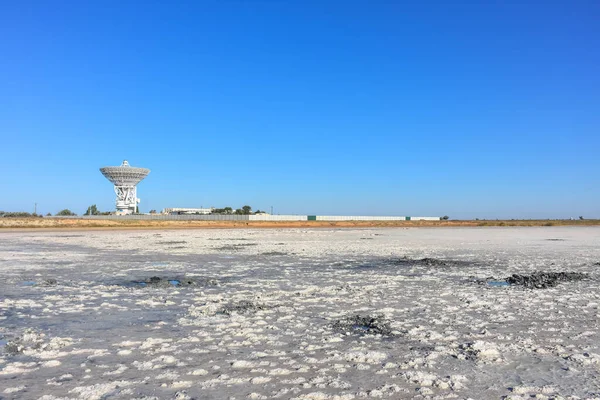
x: 56, y: 223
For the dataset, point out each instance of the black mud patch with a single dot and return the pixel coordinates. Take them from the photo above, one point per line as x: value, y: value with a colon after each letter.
x: 555, y: 240
x: 44, y: 282
x: 543, y: 280
x: 241, y: 307
x: 394, y: 265
x: 468, y: 352
x: 227, y: 239
x: 366, y: 238
x: 18, y: 345
x: 235, y: 247
x: 489, y: 281
x: 168, y: 282
x: 172, y: 242
x: 363, y: 325
x: 365, y: 267
x: 274, y: 253
x: 12, y: 348
x: 426, y: 262
x: 433, y: 262
x: 422, y: 349
x: 15, y: 347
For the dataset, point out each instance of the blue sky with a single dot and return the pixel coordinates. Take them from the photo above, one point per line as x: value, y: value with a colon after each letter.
x: 478, y: 109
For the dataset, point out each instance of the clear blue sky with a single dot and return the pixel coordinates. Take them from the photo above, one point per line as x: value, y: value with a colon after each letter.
x: 478, y: 109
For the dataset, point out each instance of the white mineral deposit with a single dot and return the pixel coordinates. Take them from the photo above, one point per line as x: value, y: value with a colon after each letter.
x: 300, y: 314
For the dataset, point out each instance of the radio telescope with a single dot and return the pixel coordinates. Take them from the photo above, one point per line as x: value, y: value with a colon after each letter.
x: 125, y: 178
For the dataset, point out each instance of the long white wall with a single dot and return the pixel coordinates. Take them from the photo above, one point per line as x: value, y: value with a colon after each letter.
x: 357, y: 218
x: 254, y: 217
x: 277, y: 217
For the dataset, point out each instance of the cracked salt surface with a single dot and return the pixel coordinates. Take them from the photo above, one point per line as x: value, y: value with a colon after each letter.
x: 299, y: 313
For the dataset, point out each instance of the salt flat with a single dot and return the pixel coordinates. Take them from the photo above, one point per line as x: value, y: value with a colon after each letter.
x: 298, y: 313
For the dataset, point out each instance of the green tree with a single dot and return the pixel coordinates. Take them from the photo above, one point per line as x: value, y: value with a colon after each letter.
x: 246, y: 210
x: 65, y: 212
x: 92, y: 210
x: 226, y: 210
x: 445, y: 218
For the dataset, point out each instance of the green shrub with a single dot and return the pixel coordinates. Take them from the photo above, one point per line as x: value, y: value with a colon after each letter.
x: 65, y: 212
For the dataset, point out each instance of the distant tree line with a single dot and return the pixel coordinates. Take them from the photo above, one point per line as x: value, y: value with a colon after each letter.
x: 22, y: 214
x: 245, y: 210
x: 17, y: 214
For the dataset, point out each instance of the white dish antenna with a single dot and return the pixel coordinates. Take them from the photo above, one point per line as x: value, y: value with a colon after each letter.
x: 125, y: 178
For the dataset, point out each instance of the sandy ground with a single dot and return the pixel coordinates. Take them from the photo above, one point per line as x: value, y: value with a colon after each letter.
x: 260, y: 314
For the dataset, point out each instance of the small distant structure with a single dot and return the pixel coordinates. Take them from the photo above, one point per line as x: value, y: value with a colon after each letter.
x: 187, y: 211
x: 125, y: 178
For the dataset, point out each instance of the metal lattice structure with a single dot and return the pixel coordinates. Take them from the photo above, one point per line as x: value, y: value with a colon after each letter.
x: 125, y: 178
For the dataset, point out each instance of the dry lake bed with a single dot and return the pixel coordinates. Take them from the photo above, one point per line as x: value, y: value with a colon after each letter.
x: 440, y: 313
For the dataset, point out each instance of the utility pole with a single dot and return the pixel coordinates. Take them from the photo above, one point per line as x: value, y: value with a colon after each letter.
x: 35, y: 208
x: 271, y: 210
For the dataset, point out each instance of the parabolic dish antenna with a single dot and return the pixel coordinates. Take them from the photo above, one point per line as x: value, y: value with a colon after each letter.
x: 125, y: 178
